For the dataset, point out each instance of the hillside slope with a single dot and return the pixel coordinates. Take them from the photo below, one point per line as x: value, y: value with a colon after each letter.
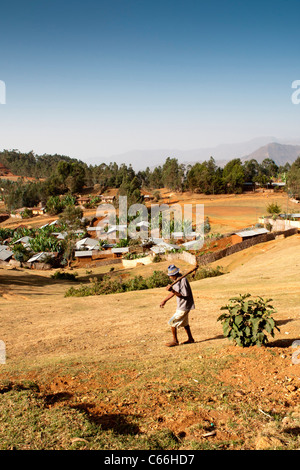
x: 38, y: 321
x: 102, y: 361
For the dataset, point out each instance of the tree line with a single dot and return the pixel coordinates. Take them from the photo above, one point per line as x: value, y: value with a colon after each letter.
x: 57, y: 175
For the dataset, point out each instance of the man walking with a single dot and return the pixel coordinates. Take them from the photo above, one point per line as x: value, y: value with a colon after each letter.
x: 185, y: 302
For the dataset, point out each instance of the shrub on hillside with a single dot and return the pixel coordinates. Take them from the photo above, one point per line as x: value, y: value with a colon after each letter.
x: 273, y: 208
x: 106, y: 285
x: 205, y: 272
x: 248, y: 321
x: 59, y: 275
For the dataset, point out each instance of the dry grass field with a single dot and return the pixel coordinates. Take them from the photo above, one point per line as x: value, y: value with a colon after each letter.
x: 94, y: 372
x: 230, y: 212
x: 226, y: 212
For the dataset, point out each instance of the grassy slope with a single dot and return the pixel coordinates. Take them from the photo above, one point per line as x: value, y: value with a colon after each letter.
x: 101, y: 364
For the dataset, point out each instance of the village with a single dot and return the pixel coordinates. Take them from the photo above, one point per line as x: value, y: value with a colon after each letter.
x: 93, y: 245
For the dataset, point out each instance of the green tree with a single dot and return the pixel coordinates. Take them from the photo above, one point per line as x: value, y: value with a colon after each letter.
x: 70, y: 218
x: 269, y: 168
x: 173, y: 174
x: 205, y: 178
x: 273, y: 208
x: 293, y: 179
x: 234, y: 176
x: 156, y: 178
x: 130, y: 187
x: 54, y: 205
x: 21, y: 253
x: 71, y: 175
x: 251, y: 170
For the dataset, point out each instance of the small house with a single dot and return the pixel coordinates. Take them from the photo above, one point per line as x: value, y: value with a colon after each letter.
x: 157, y: 250
x: 163, y: 247
x: 119, y: 252
x: 87, y: 244
x: 246, y: 234
x: 108, y: 199
x: 59, y: 235
x: 143, y: 227
x: 82, y: 200
x: 112, y: 232
x: 41, y: 257
x: 17, y: 214
x: 144, y: 224
x: 23, y: 240
x: 148, y: 197
x: 193, y: 244
x: 5, y: 256
x: 38, y: 210
x: 84, y: 254
x: 179, y: 237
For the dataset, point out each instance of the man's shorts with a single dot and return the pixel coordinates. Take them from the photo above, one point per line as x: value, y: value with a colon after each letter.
x: 180, y: 318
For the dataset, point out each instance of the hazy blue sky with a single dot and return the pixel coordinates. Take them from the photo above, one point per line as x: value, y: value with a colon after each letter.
x: 97, y: 77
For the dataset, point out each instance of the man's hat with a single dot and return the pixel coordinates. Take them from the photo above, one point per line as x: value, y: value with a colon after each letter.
x: 172, y: 270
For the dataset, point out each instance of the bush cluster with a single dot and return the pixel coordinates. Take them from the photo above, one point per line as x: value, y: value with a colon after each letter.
x: 106, y: 285
x: 60, y: 275
x: 205, y: 272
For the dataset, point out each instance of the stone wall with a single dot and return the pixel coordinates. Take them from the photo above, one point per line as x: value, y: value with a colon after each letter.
x: 185, y: 256
x: 280, y: 224
x: 131, y: 263
x: 211, y: 257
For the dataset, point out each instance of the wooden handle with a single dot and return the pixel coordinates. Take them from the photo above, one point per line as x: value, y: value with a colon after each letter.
x: 184, y: 275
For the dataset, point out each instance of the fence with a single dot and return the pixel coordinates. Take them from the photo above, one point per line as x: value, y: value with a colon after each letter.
x: 211, y: 257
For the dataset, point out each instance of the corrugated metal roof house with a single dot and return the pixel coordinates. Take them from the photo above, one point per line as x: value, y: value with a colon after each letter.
x: 5, y: 255
x: 245, y: 234
x: 87, y: 243
x: 40, y: 257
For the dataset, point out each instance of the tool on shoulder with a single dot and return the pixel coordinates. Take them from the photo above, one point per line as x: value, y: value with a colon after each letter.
x: 184, y: 275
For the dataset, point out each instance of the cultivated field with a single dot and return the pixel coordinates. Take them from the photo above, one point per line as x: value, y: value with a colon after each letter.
x: 94, y: 372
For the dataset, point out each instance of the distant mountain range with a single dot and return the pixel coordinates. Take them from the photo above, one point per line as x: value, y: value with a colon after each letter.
x: 263, y: 147
x: 280, y: 153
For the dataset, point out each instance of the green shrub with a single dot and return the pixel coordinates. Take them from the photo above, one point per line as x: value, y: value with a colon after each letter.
x: 135, y: 255
x: 106, y: 285
x: 21, y: 253
x: 205, y: 272
x: 273, y: 208
x: 5, y: 233
x: 158, y: 279
x: 62, y: 275
x: 248, y: 321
